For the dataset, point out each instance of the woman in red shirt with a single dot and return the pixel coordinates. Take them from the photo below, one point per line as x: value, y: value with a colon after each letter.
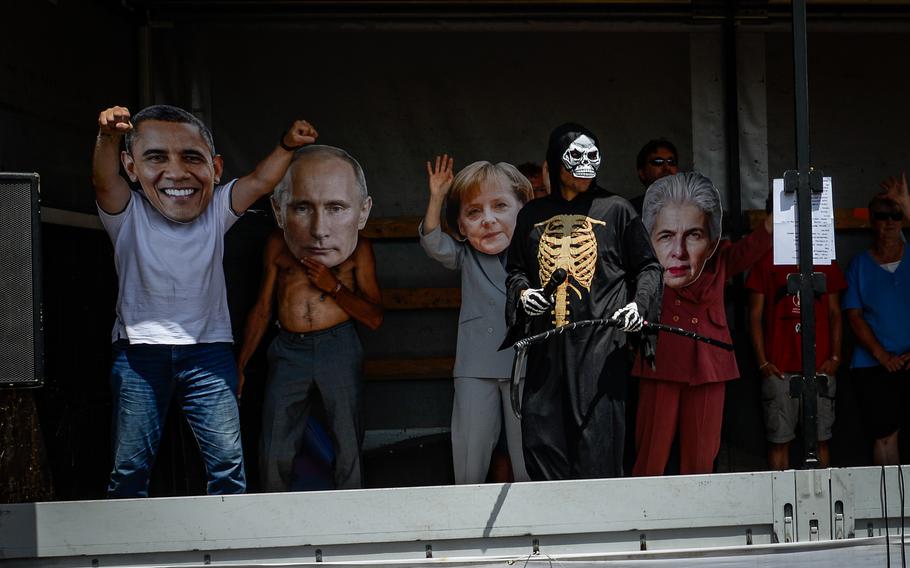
x: 684, y: 389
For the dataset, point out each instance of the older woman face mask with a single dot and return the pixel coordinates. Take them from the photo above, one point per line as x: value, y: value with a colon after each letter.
x: 682, y: 215
x: 682, y: 242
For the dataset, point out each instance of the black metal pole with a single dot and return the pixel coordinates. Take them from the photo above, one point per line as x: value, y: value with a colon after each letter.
x: 731, y: 127
x: 809, y: 388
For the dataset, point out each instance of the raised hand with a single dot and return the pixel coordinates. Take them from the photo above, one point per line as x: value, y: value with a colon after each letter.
x: 440, y: 175
x: 299, y: 134
x: 896, y: 189
x: 114, y: 121
x: 320, y: 275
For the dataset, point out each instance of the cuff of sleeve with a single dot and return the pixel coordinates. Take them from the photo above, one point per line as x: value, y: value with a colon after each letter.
x: 432, y: 237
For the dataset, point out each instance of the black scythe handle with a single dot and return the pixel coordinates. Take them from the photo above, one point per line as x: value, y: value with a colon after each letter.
x: 646, y: 326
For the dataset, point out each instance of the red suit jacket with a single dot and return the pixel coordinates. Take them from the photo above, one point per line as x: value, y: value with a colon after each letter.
x: 699, y: 307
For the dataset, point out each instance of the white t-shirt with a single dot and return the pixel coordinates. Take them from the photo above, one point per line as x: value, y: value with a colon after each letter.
x: 171, y: 276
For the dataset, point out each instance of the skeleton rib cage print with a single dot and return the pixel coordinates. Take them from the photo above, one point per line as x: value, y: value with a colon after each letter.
x: 568, y: 242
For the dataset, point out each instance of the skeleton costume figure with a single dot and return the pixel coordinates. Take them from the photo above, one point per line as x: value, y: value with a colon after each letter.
x: 573, y: 405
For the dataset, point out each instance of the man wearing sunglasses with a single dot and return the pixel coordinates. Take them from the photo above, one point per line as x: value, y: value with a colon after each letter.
x: 656, y: 159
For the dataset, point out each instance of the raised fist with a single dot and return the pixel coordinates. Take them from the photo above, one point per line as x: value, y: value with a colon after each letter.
x: 299, y: 134
x: 114, y: 121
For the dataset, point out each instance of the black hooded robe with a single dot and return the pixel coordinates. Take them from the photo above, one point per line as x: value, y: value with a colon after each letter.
x: 573, y: 406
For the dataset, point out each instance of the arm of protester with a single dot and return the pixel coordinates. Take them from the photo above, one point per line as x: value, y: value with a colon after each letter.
x: 112, y: 192
x: 641, y: 262
x: 438, y: 244
x: 364, y: 305
x: 269, y: 172
x: 545, y: 175
x: 835, y: 332
x: 440, y: 180
x: 757, y: 334
x: 259, y: 316
x: 866, y: 337
x: 748, y: 250
x: 896, y: 189
x: 517, y: 279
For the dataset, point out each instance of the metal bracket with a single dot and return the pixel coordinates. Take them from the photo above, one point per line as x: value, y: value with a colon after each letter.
x: 788, y: 523
x: 816, y: 180
x: 843, y: 508
x: 813, y: 505
x: 791, y: 181
x: 783, y: 500
x: 813, y: 530
x: 795, y: 280
x: 839, y: 532
x: 796, y: 385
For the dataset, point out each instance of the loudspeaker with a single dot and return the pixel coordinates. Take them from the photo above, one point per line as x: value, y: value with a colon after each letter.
x: 21, y: 323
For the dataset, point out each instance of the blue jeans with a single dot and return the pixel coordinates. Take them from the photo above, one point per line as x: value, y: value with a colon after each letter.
x: 144, y: 378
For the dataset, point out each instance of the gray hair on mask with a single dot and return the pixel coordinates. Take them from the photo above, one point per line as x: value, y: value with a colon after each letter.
x: 281, y: 195
x: 685, y: 188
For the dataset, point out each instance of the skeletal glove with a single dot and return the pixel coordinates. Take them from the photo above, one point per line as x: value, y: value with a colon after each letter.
x: 533, y: 301
x: 628, y: 317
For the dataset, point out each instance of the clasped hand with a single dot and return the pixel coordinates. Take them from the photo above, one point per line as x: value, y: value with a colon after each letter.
x: 628, y: 317
x: 534, y: 303
x: 319, y: 274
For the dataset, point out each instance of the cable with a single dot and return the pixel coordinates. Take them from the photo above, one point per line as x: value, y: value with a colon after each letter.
x: 883, y: 495
x: 647, y: 327
x: 900, y: 480
x: 527, y: 558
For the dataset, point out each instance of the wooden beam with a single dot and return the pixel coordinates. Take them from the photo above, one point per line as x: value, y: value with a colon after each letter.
x: 423, y: 368
x: 405, y: 227
x: 421, y: 298
x: 392, y: 227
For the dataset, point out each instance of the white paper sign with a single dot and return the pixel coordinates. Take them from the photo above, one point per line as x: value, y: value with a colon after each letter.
x: 785, y: 225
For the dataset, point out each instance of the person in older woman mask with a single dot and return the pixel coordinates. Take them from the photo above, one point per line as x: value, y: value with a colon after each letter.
x: 684, y: 390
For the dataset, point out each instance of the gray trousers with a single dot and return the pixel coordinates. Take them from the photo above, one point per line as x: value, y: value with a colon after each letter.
x: 477, y: 415
x: 329, y: 360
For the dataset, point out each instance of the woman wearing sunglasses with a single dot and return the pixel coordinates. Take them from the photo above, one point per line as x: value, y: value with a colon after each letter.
x: 877, y: 305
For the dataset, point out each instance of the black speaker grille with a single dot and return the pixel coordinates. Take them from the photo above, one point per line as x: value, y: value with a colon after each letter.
x: 17, y: 302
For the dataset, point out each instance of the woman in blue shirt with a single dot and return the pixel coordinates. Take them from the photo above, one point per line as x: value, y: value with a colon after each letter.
x: 877, y: 305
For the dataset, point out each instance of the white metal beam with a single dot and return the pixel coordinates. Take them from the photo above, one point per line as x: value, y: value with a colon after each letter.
x: 617, y: 518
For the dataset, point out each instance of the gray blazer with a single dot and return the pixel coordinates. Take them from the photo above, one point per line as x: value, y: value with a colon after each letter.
x: 481, y: 322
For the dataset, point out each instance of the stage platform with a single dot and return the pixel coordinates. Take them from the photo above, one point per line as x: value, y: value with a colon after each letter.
x: 826, y: 517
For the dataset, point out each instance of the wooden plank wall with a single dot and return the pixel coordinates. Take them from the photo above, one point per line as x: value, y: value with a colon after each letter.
x: 398, y: 228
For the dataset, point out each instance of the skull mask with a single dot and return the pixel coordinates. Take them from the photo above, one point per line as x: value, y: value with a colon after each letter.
x: 582, y: 158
